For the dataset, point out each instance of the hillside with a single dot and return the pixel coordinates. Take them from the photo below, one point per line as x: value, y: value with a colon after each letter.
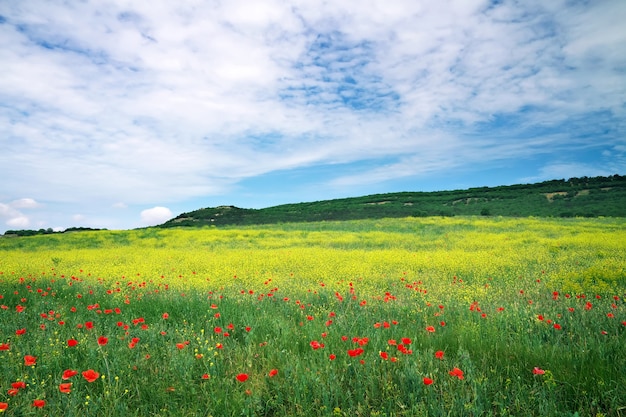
x: 576, y: 197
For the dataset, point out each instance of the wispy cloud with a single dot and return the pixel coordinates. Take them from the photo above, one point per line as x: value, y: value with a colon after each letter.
x: 160, y: 103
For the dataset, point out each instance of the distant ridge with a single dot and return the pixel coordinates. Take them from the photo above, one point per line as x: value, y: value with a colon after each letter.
x: 575, y: 197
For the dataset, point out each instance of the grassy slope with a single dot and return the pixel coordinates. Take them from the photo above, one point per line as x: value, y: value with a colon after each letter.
x: 576, y: 197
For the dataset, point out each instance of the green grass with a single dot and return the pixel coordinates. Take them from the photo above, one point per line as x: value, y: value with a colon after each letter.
x: 486, y: 286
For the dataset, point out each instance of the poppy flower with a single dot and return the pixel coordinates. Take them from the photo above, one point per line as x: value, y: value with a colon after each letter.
x: 20, y: 332
x: 68, y: 373
x: 4, y: 346
x: 332, y: 356
x: 273, y: 373
x: 89, y: 325
x: 30, y: 360
x: 355, y: 352
x: 19, y: 385
x: 316, y: 345
x: 384, y: 355
x: 439, y: 354
x: 90, y: 375
x: 427, y: 381
x: 165, y: 316
x: 180, y: 345
x: 242, y: 377
x: 12, y: 392
x: 103, y: 340
x: 430, y: 329
x: 457, y: 373
x: 406, y: 341
x: 39, y: 403
x: 538, y: 371
x: 3, y: 406
x: 557, y: 326
x: 206, y: 376
x: 65, y: 387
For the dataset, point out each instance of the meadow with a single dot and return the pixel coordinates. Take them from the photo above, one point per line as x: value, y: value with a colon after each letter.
x: 461, y: 316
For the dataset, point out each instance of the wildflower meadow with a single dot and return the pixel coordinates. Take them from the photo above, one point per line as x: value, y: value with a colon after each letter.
x: 466, y: 316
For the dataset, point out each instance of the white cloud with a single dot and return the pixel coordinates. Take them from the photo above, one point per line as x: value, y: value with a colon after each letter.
x: 13, y: 217
x: 19, y: 222
x: 167, y: 101
x: 24, y: 203
x: 155, y: 215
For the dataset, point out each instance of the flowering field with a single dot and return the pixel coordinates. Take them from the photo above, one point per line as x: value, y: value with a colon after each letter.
x: 404, y: 317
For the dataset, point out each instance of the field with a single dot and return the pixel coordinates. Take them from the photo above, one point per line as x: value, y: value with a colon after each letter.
x: 394, y: 317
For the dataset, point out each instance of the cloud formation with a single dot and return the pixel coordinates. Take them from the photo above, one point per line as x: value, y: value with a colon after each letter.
x: 12, y: 213
x: 155, y: 215
x: 136, y: 104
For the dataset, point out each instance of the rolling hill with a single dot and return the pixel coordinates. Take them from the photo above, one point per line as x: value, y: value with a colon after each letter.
x: 576, y: 197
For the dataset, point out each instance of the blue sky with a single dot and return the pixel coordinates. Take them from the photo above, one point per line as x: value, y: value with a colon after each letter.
x: 123, y: 114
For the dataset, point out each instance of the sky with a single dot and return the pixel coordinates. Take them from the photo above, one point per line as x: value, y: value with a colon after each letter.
x: 121, y: 114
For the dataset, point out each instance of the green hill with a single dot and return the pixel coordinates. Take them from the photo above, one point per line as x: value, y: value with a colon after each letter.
x: 576, y: 197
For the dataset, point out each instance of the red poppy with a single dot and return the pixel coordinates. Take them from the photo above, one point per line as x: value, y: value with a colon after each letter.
x: 65, y: 387
x: 90, y: 375
x: 439, y: 354
x: 206, y: 376
x: 20, y: 332
x: 89, y: 325
x: 12, y: 392
x: 430, y: 329
x: 165, y: 316
x: 19, y: 385
x: 355, y: 352
x: 557, y: 326
x: 384, y: 355
x: 427, y: 381
x: 103, y: 340
x: 457, y: 373
x: 30, y: 360
x: 180, y: 345
x: 538, y: 371
x: 39, y: 403
x: 3, y: 406
x: 316, y: 345
x: 4, y: 346
x: 406, y: 341
x: 242, y: 377
x: 68, y: 373
x: 332, y: 356
x: 273, y: 372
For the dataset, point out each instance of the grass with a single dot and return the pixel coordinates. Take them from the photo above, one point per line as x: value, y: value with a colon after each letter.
x: 531, y: 311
